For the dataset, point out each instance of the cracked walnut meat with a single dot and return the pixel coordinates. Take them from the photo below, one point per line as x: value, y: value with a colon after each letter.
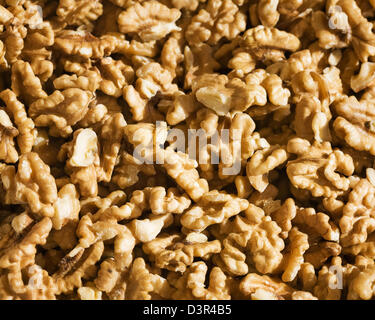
x: 187, y: 149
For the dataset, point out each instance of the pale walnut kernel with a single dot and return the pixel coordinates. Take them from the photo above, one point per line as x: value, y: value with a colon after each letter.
x: 24, y: 124
x: 354, y: 123
x: 174, y: 253
x: 316, y: 166
x: 294, y: 258
x: 253, y: 282
x: 218, y: 19
x: 33, y: 184
x: 83, y: 44
x: 222, y: 95
x: 142, y: 284
x: 213, y: 207
x: 8, y: 132
x: 85, y: 148
x: 25, y: 84
x: 268, y: 13
x: 79, y: 13
x: 264, y: 161
x: 101, y: 199
x: 191, y: 285
x: 66, y: 207
x: 60, y: 110
x: 180, y: 167
x: 357, y: 220
x: 18, y: 253
x: 256, y: 241
x: 150, y: 20
x: 264, y: 37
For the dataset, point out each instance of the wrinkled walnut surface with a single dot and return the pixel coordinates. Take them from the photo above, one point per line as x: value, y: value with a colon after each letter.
x: 88, y: 86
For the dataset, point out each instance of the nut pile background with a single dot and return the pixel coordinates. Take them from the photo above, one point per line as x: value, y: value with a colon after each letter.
x: 83, y: 84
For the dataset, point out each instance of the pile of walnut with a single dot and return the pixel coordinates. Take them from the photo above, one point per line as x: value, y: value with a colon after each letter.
x: 83, y: 84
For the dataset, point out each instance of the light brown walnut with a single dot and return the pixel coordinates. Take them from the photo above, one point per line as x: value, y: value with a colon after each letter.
x: 150, y: 20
